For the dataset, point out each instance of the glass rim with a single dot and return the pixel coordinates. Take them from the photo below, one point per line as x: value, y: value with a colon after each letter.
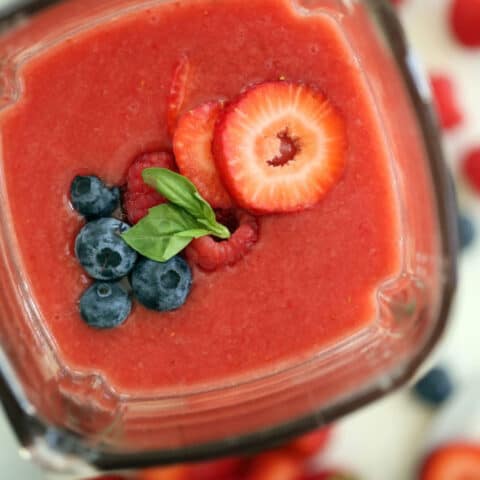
x: 29, y: 428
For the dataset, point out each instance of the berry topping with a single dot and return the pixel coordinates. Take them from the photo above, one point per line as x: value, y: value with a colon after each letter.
x: 210, y: 254
x: 177, y: 472
x: 178, y: 92
x: 101, y: 250
x: 192, y: 144
x: 223, y: 469
x: 105, y: 305
x: 465, y: 21
x: 140, y: 197
x: 280, y: 147
x: 311, y: 443
x: 471, y: 168
x: 162, y: 286
x: 466, y: 231
x: 453, y: 462
x: 435, y: 387
x: 92, y: 198
x: 445, y: 100
x: 274, y: 466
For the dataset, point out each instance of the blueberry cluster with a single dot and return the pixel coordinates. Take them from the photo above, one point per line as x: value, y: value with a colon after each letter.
x: 107, y: 259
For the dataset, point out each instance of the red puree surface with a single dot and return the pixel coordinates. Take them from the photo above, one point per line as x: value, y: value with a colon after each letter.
x: 94, y: 102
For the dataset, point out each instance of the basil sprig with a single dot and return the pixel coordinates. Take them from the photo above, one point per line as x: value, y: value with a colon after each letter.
x: 168, y: 228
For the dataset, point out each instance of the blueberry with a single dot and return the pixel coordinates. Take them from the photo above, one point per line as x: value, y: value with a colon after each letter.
x: 101, y: 250
x: 105, y: 305
x: 162, y: 286
x: 435, y: 387
x: 92, y: 198
x: 466, y: 231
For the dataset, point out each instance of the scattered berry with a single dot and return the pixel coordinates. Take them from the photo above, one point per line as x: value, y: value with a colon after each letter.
x: 435, y: 387
x: 466, y: 231
x: 101, y: 250
x: 178, y: 472
x: 274, y: 466
x: 211, y: 255
x: 92, y: 198
x: 162, y: 286
x: 280, y: 147
x: 446, y: 104
x: 330, y: 475
x: 471, y: 168
x: 178, y: 92
x: 312, y: 443
x: 465, y: 21
x: 140, y: 197
x: 224, y: 469
x: 105, y: 305
x: 453, y: 462
x: 192, y: 144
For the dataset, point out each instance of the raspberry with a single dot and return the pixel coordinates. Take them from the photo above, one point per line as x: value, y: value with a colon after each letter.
x: 445, y: 101
x: 140, y: 197
x: 471, y: 168
x: 311, y: 443
x: 275, y: 466
x: 465, y: 22
x: 211, y: 255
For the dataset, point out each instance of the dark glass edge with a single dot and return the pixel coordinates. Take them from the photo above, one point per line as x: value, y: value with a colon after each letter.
x: 9, y: 12
x: 29, y: 429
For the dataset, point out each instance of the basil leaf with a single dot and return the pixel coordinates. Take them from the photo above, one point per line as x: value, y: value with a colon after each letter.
x: 182, y: 192
x: 164, y: 232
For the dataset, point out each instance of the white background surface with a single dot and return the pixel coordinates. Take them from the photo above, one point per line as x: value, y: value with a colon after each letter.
x: 383, y: 441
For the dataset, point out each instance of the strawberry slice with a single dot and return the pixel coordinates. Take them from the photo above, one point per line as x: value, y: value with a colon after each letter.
x: 280, y: 147
x: 453, y: 462
x: 140, y: 197
x: 178, y: 92
x: 192, y: 144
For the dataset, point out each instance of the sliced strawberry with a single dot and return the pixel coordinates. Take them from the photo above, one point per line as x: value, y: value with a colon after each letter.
x: 453, y: 462
x: 192, y: 144
x: 178, y: 92
x: 211, y: 255
x: 465, y: 22
x: 280, y: 147
x: 140, y: 197
x: 445, y: 101
x: 311, y: 443
x: 274, y: 466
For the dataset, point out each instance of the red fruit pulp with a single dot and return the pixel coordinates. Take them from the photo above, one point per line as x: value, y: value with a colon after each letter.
x: 311, y: 279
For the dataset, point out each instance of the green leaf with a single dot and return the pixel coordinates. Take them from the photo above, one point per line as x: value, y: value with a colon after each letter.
x: 170, y: 227
x: 182, y: 192
x: 164, y: 232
